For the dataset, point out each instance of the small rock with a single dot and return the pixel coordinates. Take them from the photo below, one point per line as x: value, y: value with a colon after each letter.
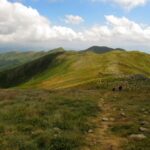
x: 105, y: 119
x: 90, y: 131
x: 137, y: 136
x: 143, y: 129
x: 123, y: 114
x: 144, y: 123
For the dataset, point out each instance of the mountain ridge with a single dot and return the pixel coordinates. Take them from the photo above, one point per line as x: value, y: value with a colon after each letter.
x: 62, y: 68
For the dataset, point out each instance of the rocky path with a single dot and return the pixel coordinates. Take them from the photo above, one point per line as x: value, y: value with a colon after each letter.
x: 101, y: 138
x: 107, y: 140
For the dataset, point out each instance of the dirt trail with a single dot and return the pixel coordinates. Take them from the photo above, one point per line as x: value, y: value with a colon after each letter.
x: 101, y: 138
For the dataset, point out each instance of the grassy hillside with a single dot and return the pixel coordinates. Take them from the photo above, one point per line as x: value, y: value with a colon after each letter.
x: 83, y: 118
x: 79, y: 68
x: 21, y: 74
x: 67, y: 69
x: 49, y: 120
x: 69, y: 104
x: 12, y: 59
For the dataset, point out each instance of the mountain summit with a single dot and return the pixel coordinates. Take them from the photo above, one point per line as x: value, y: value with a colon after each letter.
x: 99, y: 49
x: 102, y: 49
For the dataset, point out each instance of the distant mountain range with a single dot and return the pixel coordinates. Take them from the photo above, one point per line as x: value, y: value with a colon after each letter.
x: 61, y: 69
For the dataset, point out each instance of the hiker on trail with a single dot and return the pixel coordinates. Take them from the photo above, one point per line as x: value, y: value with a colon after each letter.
x: 120, y: 88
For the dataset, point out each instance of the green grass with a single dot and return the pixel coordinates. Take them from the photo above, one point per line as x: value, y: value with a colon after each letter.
x: 40, y: 119
x: 140, y: 145
x: 60, y: 120
x: 124, y: 129
x: 132, y: 102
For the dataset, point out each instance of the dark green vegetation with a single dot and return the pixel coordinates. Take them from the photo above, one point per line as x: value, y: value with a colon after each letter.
x: 23, y: 73
x: 11, y: 59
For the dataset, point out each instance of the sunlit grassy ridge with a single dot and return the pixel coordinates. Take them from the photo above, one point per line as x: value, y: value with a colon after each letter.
x: 61, y: 69
x: 73, y: 68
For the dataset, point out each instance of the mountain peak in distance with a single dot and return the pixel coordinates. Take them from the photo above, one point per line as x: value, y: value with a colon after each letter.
x: 102, y: 49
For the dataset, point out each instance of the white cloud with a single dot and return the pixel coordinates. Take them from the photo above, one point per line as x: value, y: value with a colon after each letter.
x: 71, y: 19
x: 23, y: 26
x: 21, y: 23
x: 127, y: 4
x: 119, y: 32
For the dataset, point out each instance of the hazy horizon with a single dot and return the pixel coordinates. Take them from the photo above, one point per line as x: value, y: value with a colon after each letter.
x: 67, y: 49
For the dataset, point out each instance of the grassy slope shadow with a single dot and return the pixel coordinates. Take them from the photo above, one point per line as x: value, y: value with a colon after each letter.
x: 21, y: 74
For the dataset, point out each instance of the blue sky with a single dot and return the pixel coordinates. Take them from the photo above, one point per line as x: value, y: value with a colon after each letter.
x: 74, y: 24
x: 93, y: 12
